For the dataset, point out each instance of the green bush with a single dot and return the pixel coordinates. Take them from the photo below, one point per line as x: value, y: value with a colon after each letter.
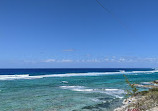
x: 153, y: 89
x: 133, y: 90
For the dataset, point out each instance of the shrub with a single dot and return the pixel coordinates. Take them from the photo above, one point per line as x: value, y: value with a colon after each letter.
x: 133, y: 90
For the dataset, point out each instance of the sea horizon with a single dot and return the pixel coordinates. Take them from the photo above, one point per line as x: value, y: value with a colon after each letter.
x: 78, y: 55
x: 80, y: 89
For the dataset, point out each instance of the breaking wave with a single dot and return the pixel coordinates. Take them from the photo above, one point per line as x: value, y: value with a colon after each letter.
x: 27, y: 76
x: 113, y: 92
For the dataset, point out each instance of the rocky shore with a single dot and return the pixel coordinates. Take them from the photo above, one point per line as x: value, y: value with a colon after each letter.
x: 142, y: 101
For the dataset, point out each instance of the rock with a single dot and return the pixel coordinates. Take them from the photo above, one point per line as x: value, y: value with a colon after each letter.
x: 129, y: 102
x: 146, y: 86
x: 156, y: 81
x: 126, y: 103
x: 154, y: 109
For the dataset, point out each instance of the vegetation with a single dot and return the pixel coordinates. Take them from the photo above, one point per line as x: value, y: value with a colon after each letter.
x: 147, y: 101
x: 133, y: 90
x: 143, y: 100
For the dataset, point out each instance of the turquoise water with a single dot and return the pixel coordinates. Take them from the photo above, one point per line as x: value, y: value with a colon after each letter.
x: 84, y: 91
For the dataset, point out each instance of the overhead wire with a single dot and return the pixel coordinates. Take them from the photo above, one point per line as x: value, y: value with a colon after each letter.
x: 112, y: 14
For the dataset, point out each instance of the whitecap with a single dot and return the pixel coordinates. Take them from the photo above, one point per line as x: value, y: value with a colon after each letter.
x: 13, y: 77
x: 65, y: 82
x: 27, y: 76
x: 113, y: 92
x: 147, y: 72
x: 147, y: 83
x: 77, y: 88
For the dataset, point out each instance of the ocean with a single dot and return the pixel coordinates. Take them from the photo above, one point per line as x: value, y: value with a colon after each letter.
x: 77, y: 89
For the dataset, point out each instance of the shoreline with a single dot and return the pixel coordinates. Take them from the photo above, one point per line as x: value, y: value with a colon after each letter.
x: 142, y: 101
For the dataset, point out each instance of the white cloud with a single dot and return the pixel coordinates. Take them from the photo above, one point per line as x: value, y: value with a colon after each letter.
x: 120, y: 60
x: 68, y: 50
x: 49, y: 60
x: 151, y: 59
x: 93, y: 60
x: 65, y: 60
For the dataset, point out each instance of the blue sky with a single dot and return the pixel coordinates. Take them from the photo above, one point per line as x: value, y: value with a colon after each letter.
x: 78, y: 33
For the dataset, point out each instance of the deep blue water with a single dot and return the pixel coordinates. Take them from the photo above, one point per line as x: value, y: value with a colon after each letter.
x: 67, y: 89
x: 41, y: 71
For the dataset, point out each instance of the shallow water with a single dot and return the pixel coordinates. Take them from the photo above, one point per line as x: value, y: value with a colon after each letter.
x: 67, y: 89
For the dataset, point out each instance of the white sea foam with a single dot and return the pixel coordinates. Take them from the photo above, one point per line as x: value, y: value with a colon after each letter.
x: 95, y: 100
x: 27, y: 76
x: 77, y: 88
x: 113, y: 92
x: 147, y: 72
x: 65, y: 82
x: 147, y: 83
x: 13, y: 77
x: 155, y: 84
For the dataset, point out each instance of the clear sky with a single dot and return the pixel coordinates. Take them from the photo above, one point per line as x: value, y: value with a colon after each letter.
x: 78, y: 33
